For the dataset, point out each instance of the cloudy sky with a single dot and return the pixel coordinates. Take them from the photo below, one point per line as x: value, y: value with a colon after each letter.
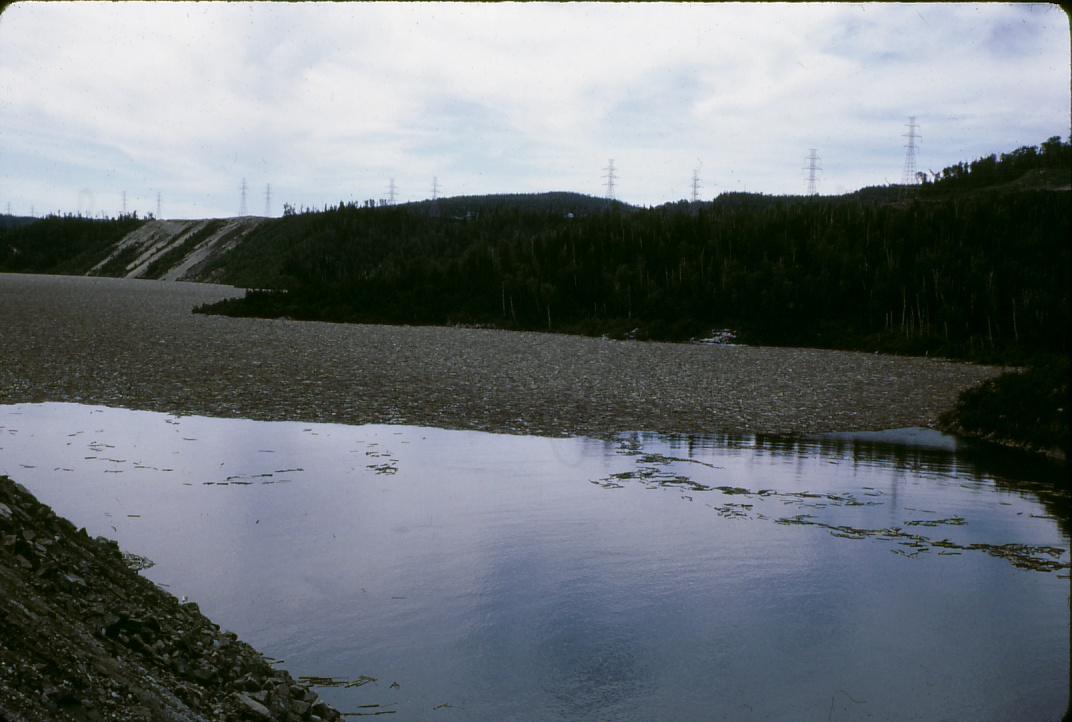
x: 330, y: 101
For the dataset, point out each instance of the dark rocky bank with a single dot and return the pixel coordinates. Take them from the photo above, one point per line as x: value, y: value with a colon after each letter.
x: 84, y: 637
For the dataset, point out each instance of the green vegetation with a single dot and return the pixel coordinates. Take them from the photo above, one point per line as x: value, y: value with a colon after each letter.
x: 1028, y: 408
x: 61, y: 244
x: 117, y: 264
x: 950, y: 268
x: 973, y: 263
x: 180, y: 250
x: 10, y: 221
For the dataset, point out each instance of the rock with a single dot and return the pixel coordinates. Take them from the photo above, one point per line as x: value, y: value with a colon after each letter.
x: 84, y: 638
x: 251, y: 707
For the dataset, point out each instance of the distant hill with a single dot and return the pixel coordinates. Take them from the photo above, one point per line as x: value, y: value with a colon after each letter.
x: 553, y: 202
x: 10, y: 221
x: 963, y: 265
x: 970, y: 262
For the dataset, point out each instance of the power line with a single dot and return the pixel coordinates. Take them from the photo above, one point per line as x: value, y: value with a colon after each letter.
x: 611, y: 176
x: 242, y: 206
x: 909, y: 175
x: 813, y: 168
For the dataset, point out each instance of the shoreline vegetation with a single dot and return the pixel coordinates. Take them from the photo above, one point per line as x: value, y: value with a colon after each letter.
x: 1026, y: 409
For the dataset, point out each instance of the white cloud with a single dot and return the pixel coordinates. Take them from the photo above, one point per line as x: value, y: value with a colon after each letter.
x: 330, y: 100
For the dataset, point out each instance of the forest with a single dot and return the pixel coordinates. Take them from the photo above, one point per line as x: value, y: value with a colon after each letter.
x: 61, y: 243
x: 973, y: 263
x: 970, y: 263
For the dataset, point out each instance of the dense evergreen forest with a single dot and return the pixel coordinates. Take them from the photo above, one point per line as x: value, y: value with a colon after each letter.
x: 60, y: 244
x: 971, y: 263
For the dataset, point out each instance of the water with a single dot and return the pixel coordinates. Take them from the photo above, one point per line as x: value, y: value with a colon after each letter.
x: 479, y: 576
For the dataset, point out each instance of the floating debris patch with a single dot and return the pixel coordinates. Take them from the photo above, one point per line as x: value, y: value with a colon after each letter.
x: 651, y: 471
x: 953, y: 521
x: 1023, y: 556
x: 651, y: 458
x: 733, y: 511
x: 316, y: 681
x: 137, y: 562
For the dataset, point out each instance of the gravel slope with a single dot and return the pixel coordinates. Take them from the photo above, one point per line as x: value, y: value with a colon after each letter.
x: 84, y: 637
x: 135, y: 344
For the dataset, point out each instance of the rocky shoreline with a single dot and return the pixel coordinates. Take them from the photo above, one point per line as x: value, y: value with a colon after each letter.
x: 135, y: 344
x: 84, y: 637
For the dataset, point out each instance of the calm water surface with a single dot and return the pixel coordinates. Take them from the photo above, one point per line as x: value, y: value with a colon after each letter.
x: 478, y: 576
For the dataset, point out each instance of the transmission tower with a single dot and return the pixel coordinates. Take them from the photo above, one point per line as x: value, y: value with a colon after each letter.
x: 435, y: 187
x: 124, y: 203
x: 696, y: 185
x: 909, y: 175
x: 9, y: 208
x: 813, y: 168
x: 611, y: 176
x: 242, y: 206
x: 392, y: 191
x: 268, y: 201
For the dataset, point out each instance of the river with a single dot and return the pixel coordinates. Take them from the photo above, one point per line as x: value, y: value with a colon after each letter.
x: 465, y: 575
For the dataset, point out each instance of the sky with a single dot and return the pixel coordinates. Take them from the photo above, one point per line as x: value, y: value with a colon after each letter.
x: 329, y: 102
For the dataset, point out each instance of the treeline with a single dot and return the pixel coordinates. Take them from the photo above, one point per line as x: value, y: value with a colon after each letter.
x: 11, y: 221
x: 62, y: 243
x: 1027, y: 408
x: 1029, y: 164
x: 979, y: 275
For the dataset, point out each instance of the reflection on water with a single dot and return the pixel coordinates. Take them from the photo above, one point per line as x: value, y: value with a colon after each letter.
x: 470, y: 576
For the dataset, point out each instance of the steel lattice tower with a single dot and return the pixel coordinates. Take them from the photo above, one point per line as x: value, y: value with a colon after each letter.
x: 813, y: 168
x: 242, y: 205
x: 696, y: 185
x: 158, y: 216
x: 268, y: 201
x: 909, y: 175
x: 392, y: 191
x: 435, y: 187
x: 611, y: 176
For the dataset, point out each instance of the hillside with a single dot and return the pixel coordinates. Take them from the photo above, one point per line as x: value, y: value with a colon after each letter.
x: 10, y: 221
x: 124, y: 247
x: 969, y: 263
x: 972, y: 264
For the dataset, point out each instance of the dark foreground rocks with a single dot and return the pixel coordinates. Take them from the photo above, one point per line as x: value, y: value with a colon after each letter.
x: 84, y: 637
